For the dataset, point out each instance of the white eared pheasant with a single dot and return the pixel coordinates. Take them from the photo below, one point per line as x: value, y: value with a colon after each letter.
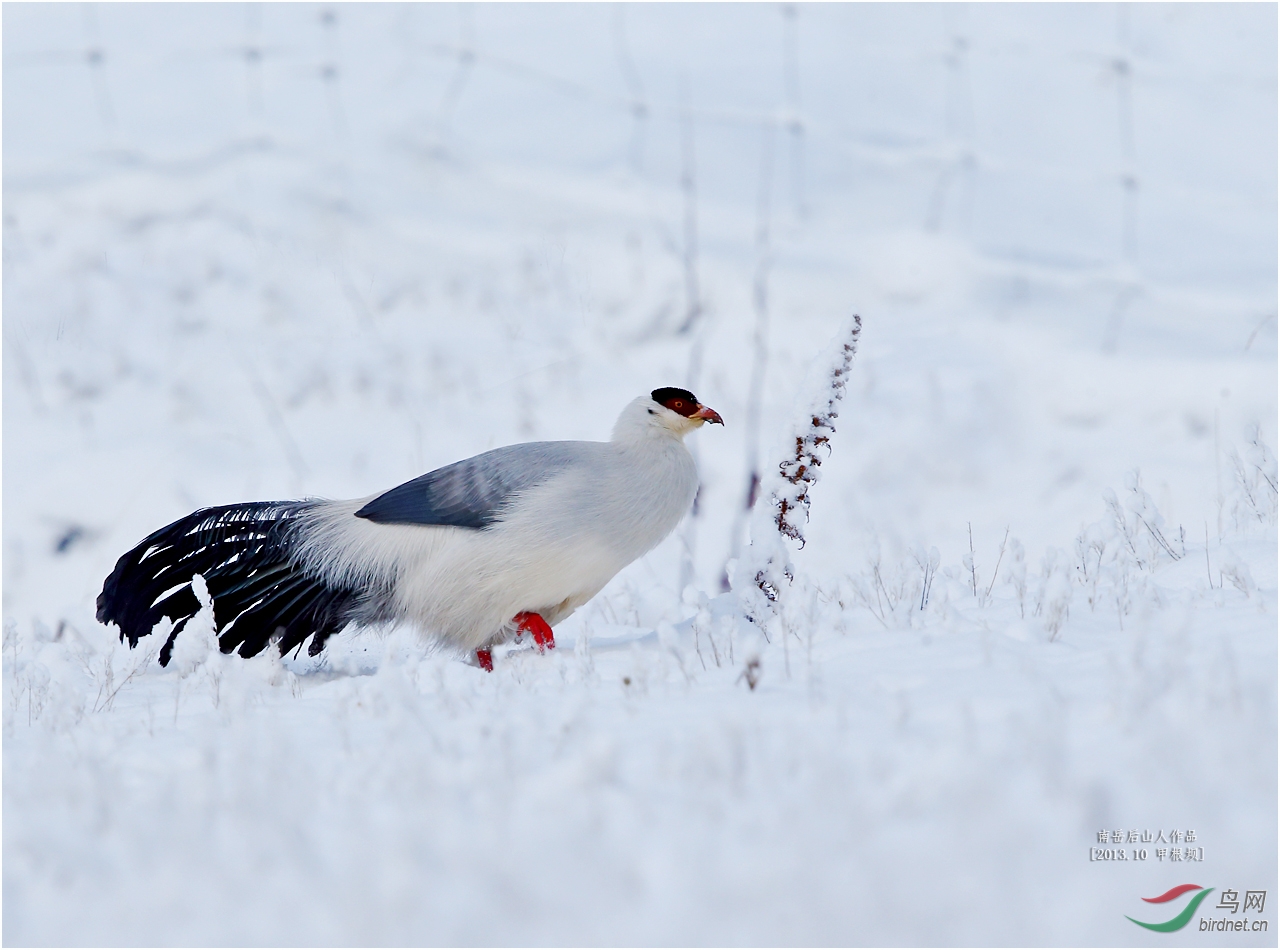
x: 476, y: 553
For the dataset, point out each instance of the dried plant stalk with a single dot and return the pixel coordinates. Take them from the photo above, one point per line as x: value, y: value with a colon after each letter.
x: 786, y: 511
x: 801, y: 470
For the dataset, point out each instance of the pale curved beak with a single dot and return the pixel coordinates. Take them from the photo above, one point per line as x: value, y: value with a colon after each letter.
x: 707, y: 414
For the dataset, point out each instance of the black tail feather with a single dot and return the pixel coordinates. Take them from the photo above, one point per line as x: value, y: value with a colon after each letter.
x: 309, y: 613
x: 247, y: 555
x: 166, y: 651
x: 272, y: 615
x: 168, y: 558
x: 273, y: 583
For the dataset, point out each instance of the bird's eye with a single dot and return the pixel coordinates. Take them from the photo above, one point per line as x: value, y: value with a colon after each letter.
x: 677, y: 405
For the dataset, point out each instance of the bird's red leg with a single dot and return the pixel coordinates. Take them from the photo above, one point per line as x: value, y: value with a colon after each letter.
x: 485, y: 659
x: 543, y: 638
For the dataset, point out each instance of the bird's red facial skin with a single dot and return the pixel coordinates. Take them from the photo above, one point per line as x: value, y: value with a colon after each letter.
x: 685, y: 403
x: 691, y: 409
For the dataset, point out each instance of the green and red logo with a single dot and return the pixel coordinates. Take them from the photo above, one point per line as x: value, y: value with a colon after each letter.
x: 1183, y: 918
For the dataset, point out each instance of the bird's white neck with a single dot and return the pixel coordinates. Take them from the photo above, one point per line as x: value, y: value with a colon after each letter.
x: 639, y: 424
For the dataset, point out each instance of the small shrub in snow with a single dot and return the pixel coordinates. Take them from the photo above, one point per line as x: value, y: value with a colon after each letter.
x: 1235, y: 570
x: 1140, y: 524
x: 893, y: 590
x: 1017, y: 575
x: 928, y: 564
x: 1053, y: 599
x: 1254, y: 471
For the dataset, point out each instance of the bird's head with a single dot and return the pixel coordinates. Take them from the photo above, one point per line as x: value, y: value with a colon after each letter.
x: 665, y: 411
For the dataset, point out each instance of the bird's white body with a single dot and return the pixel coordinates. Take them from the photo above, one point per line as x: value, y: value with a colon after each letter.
x: 558, y: 544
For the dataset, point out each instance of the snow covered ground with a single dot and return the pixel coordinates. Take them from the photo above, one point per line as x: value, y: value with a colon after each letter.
x: 262, y: 252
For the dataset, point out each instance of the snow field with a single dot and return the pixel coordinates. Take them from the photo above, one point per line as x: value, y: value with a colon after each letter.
x: 358, y: 254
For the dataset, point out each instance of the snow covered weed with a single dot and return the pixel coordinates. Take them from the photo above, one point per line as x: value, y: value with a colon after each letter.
x: 895, y: 591
x: 1253, y: 468
x: 766, y: 570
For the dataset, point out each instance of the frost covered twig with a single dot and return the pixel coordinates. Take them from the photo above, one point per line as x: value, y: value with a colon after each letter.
x: 969, y: 562
x: 760, y: 345
x: 999, y: 558
x: 110, y: 691
x: 767, y: 568
x: 801, y: 469
x: 1207, y: 566
x: 929, y: 565
x: 689, y: 194
x: 694, y: 311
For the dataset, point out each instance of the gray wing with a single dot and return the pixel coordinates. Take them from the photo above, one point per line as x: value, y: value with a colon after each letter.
x: 473, y: 493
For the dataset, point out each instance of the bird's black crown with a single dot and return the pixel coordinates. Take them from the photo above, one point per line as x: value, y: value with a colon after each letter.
x: 677, y: 400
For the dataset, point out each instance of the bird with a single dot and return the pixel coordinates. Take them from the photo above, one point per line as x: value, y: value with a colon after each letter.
x: 474, y: 554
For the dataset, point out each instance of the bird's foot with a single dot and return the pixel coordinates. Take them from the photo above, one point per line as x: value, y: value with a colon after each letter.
x: 485, y: 659
x: 543, y: 638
